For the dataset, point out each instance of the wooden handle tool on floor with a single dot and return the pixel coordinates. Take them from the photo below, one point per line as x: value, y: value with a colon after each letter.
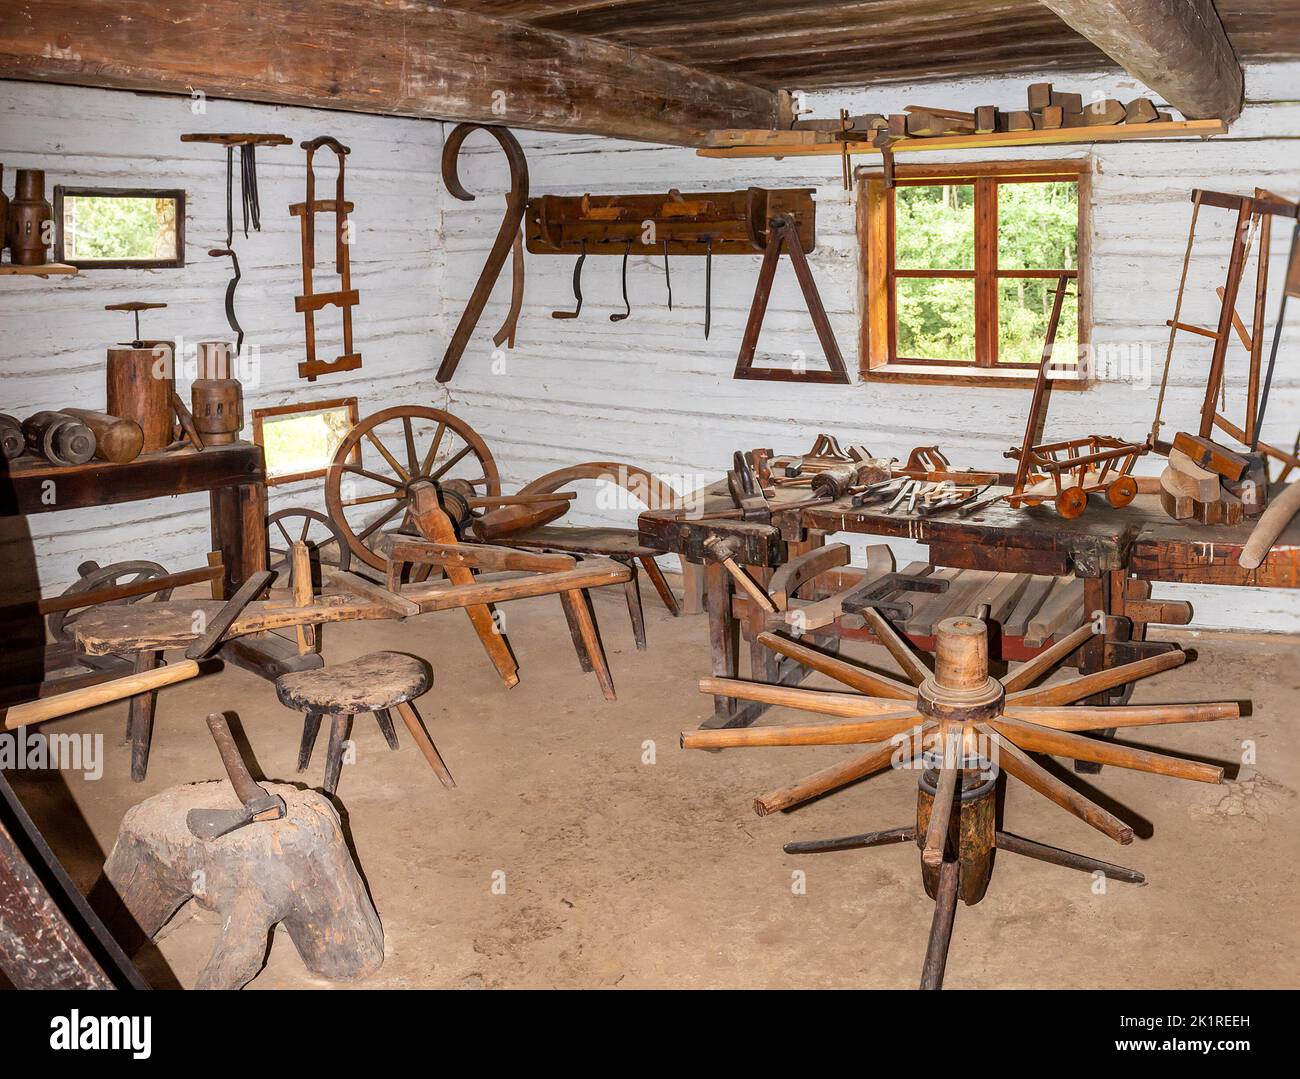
x: 78, y: 700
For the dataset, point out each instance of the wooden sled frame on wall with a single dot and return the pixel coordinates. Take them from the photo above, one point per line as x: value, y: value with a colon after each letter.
x: 783, y: 233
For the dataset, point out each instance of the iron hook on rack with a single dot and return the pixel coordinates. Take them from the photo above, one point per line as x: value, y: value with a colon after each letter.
x: 708, y: 284
x: 620, y: 316
x: 577, y: 287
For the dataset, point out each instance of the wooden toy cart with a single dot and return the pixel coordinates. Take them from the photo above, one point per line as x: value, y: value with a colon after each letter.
x: 1067, y: 472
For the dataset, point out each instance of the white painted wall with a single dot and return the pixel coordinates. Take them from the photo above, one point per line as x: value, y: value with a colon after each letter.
x: 649, y: 390
x: 653, y: 391
x: 55, y: 332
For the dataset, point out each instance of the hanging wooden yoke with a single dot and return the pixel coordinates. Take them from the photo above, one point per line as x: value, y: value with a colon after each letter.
x: 782, y: 232
x: 507, y: 241
x: 346, y: 297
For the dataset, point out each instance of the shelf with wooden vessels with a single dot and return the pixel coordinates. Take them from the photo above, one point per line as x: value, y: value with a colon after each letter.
x: 738, y: 142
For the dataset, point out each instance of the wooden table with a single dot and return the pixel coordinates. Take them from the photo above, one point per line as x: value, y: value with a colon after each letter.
x: 234, y: 477
x: 1117, y: 553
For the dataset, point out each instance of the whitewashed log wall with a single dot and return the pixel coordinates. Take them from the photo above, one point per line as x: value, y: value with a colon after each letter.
x: 653, y: 391
x: 52, y: 349
x: 649, y: 390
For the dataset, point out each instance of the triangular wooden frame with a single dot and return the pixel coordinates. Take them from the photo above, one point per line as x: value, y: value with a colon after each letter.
x: 782, y: 232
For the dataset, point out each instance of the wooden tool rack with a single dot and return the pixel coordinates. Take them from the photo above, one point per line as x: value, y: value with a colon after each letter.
x: 1116, y: 554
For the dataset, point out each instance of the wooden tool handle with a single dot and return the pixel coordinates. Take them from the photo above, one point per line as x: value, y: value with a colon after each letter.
x: 1274, y: 519
x: 77, y: 700
x: 134, y: 305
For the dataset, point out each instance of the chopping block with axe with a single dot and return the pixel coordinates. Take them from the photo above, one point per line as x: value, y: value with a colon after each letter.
x: 259, y: 856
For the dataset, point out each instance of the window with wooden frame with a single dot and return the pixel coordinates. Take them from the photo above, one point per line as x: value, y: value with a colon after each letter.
x: 299, y: 440
x: 959, y: 265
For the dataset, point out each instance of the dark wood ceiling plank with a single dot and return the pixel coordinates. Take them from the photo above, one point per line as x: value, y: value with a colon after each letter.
x: 366, y: 56
x: 1177, y: 47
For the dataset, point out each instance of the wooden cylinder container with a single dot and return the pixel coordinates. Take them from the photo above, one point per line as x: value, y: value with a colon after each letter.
x: 116, y: 440
x: 218, y: 407
x: 972, y: 827
x: 12, y: 441
x: 140, y: 384
x: 26, y: 230
x: 59, y: 438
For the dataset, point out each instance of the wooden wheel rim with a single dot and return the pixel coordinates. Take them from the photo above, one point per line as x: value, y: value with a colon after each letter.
x: 1122, y: 491
x: 278, y: 559
x: 1071, y: 502
x: 340, y: 466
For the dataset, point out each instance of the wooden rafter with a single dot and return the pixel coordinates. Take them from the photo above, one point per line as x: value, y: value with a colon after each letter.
x: 375, y: 56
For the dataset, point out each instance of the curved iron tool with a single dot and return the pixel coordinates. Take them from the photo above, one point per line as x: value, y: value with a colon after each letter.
x: 708, y: 285
x: 510, y: 326
x: 516, y: 202
x: 617, y: 317
x: 668, y: 277
x: 577, y: 287
x: 229, y: 252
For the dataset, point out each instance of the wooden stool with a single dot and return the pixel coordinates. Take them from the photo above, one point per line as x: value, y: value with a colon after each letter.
x: 373, y: 683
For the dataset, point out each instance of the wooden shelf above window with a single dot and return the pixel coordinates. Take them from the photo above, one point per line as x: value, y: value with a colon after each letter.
x: 758, y: 143
x: 50, y: 269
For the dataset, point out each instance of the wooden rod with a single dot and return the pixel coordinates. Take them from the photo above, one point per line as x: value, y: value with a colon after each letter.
x: 1037, y: 778
x: 1090, y: 684
x: 916, y: 671
x: 837, y: 775
x: 936, y: 833
x: 1084, y: 718
x: 858, y: 678
x: 826, y: 702
x: 78, y: 700
x: 1027, y: 675
x: 1063, y: 744
x: 945, y: 909
x: 810, y: 734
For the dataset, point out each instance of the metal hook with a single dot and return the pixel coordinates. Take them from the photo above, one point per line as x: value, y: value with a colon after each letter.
x: 668, y: 277
x: 577, y: 287
x: 617, y: 317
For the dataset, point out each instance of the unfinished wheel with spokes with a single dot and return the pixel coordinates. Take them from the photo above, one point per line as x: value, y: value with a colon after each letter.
x: 367, y: 487
x: 324, y: 539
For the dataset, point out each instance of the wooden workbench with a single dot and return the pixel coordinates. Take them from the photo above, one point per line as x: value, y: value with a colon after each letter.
x: 1117, y: 553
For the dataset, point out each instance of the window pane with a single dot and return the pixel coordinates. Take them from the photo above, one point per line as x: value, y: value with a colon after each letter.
x: 1038, y: 226
x: 99, y: 227
x: 1024, y: 306
x: 936, y: 318
x: 934, y: 227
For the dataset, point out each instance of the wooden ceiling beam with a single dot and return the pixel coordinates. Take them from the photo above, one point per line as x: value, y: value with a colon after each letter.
x: 376, y: 56
x: 1177, y: 47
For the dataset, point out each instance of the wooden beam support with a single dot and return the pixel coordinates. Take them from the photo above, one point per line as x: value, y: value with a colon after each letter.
x: 375, y: 56
x: 1176, y: 47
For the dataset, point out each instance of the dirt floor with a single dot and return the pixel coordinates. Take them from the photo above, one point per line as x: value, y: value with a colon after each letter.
x: 583, y: 847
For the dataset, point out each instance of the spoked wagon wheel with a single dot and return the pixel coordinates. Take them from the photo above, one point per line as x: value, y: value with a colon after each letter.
x: 399, y: 447
x: 94, y: 578
x: 323, y: 538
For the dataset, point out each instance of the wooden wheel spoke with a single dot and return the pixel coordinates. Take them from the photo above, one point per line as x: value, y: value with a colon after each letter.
x: 858, y: 678
x: 1084, y: 718
x: 385, y: 496
x: 895, y: 751
x: 450, y: 462
x: 359, y: 471
x: 936, y: 832
x: 902, y: 652
x: 811, y: 734
x: 429, y: 457
x: 1089, y: 685
x: 387, y: 456
x: 284, y: 532
x: 412, y: 458
x: 1028, y: 674
x: 379, y: 522
x: 1034, y: 776
x: 1038, y: 739
x: 826, y: 702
